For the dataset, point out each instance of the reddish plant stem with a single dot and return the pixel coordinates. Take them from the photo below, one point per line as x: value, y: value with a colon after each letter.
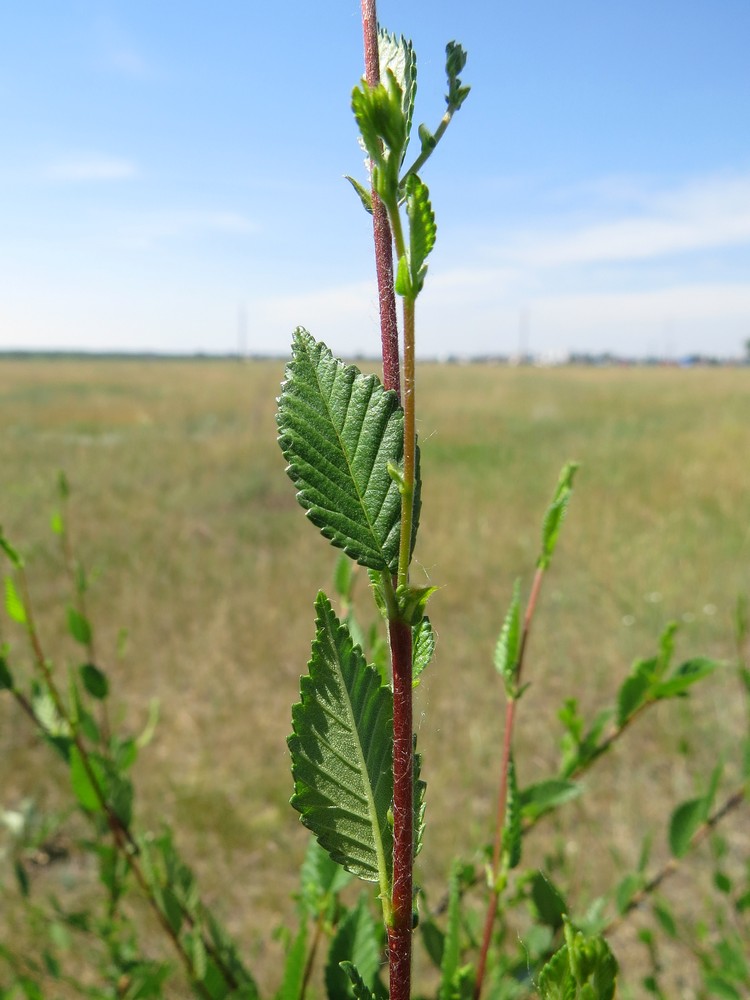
x: 502, y: 797
x: 399, y: 933
x: 381, y: 228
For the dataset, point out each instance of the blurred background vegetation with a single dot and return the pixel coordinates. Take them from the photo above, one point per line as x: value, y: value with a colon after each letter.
x: 181, y: 510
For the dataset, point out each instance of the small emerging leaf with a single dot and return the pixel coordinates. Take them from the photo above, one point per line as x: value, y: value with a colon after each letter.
x: 398, y: 56
x: 365, y: 196
x: 423, y: 648
x: 455, y: 60
x: 555, y: 515
x: 13, y: 603
x: 509, y: 642
x: 422, y: 232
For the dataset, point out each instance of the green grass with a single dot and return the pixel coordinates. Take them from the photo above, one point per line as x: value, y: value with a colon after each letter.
x: 181, y: 506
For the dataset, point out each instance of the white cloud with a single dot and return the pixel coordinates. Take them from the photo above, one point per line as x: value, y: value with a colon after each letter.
x: 91, y: 167
x: 144, y: 231
x: 707, y: 214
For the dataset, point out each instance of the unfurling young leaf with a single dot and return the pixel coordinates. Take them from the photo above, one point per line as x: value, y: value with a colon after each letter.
x: 422, y: 235
x: 341, y: 749
x: 509, y: 642
x: 455, y: 60
x: 398, y: 56
x: 364, y: 195
x: 338, y: 430
x: 555, y: 515
x: 382, y: 124
x: 583, y: 969
x: 423, y: 648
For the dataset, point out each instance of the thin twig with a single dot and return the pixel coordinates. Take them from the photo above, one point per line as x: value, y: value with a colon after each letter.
x: 510, y: 715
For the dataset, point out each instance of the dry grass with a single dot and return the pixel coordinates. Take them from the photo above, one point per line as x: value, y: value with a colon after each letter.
x: 181, y: 506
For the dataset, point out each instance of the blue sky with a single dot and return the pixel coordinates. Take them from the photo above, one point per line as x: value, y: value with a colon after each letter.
x: 166, y: 166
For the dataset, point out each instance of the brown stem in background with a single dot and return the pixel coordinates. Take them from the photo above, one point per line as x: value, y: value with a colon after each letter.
x: 502, y: 797
x: 381, y: 228
x: 734, y: 801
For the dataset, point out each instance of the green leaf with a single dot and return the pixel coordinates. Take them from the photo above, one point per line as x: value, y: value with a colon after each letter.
x: 433, y: 940
x: 12, y: 553
x: 322, y: 878
x: 79, y: 626
x: 343, y: 578
x: 685, y: 676
x: 545, y: 795
x: 382, y: 124
x: 452, y: 942
x: 422, y: 233
x: 666, y: 920
x: 721, y: 988
x: 555, y: 515
x: 13, y: 603
x: 398, y: 56
x: 548, y: 900
x: 555, y: 980
x: 57, y: 524
x: 342, y: 747
x: 626, y: 889
x: 83, y: 788
x: 356, y: 942
x: 509, y: 642
x: 6, y: 678
x: 512, y: 828
x: 22, y: 878
x: 423, y: 648
x: 359, y: 989
x: 455, y: 60
x: 420, y: 788
x: 95, y: 681
x: 631, y: 696
x: 412, y: 602
x: 339, y: 429
x: 686, y: 820
x: 294, y: 967
x: 364, y: 195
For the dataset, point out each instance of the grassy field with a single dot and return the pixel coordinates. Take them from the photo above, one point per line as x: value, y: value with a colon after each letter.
x: 181, y: 506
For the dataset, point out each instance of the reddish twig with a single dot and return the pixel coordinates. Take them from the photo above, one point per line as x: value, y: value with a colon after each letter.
x: 502, y: 798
